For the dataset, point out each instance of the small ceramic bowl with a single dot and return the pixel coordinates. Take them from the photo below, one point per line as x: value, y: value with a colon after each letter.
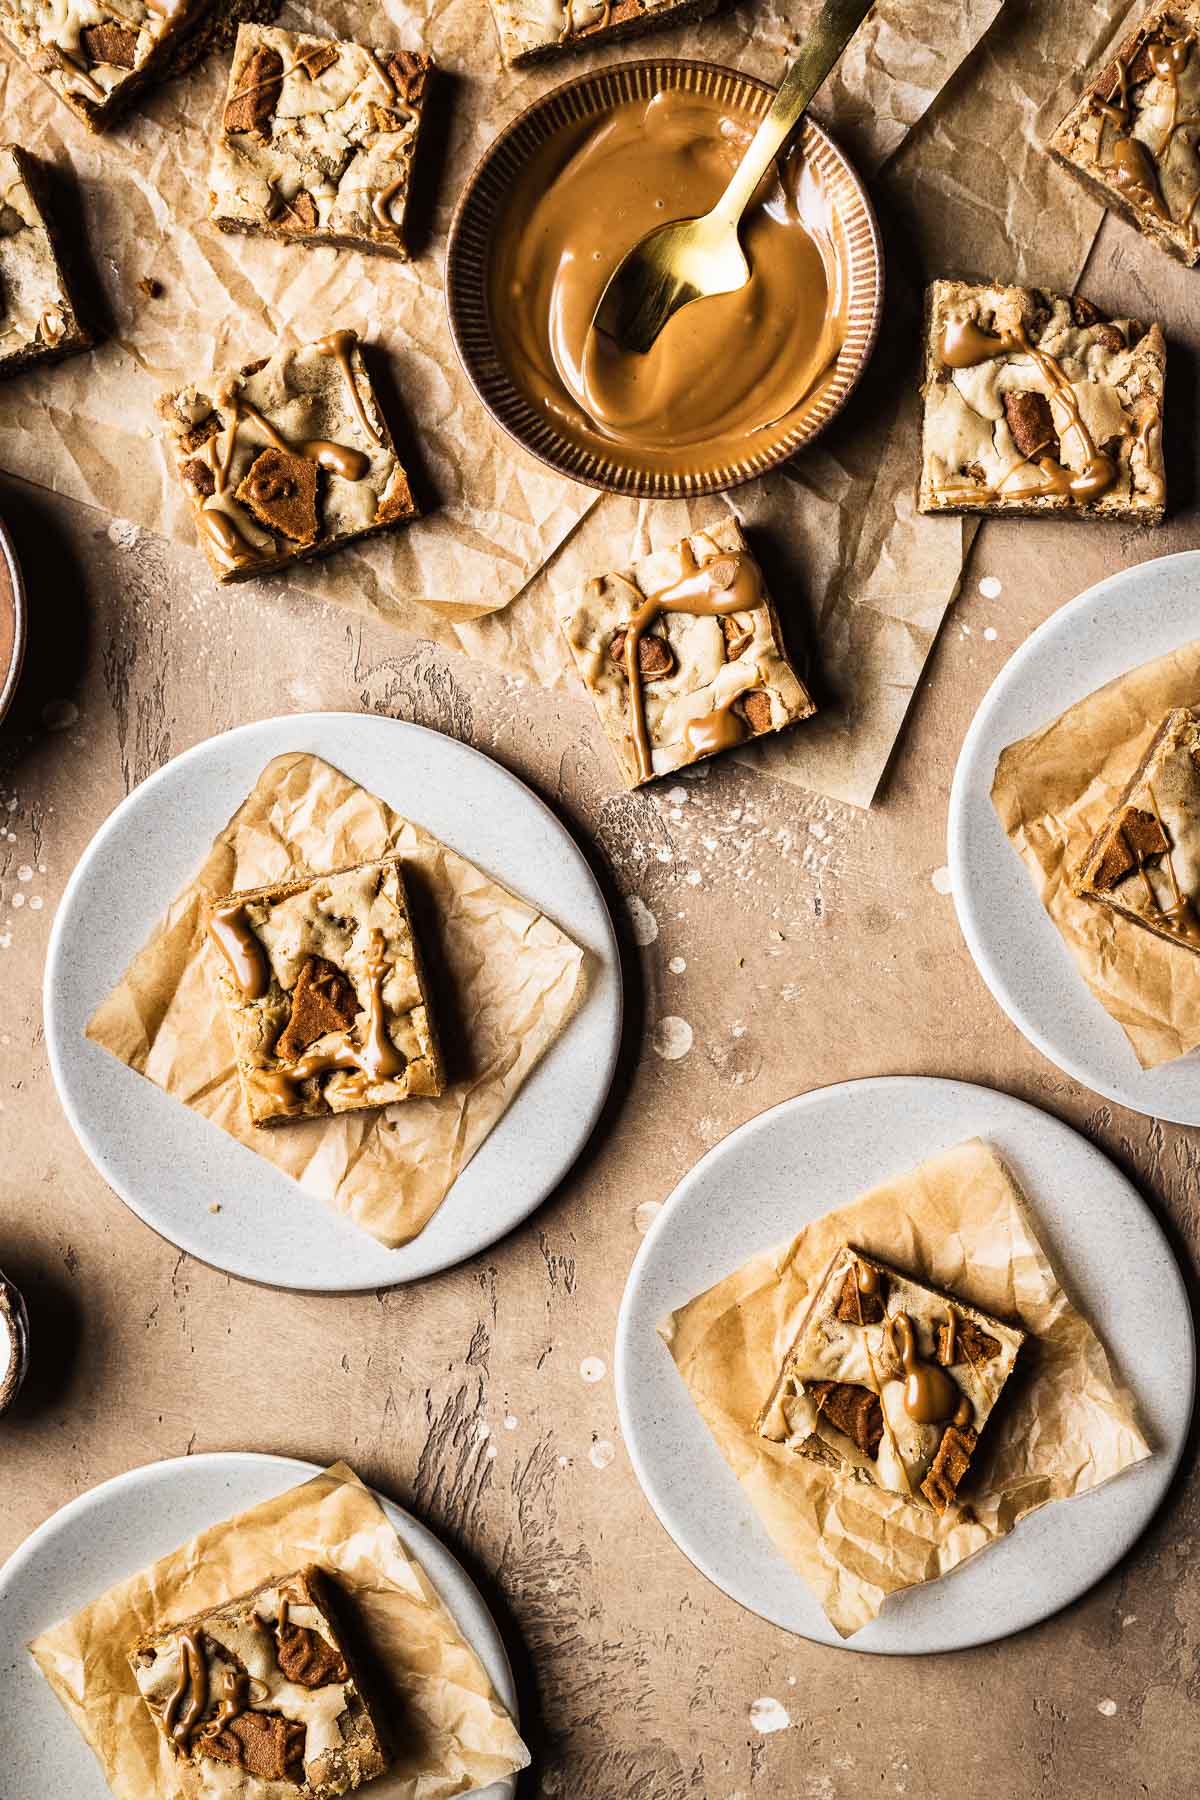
x: 469, y: 261
x: 13, y: 618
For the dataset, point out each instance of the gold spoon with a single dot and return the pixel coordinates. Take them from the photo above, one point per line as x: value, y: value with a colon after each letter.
x: 691, y: 259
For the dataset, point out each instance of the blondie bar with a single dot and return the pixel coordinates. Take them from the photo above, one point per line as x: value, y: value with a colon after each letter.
x: 317, y: 140
x: 264, y: 1685
x: 39, y: 320
x: 323, y: 988
x: 530, y: 30
x: 889, y: 1382
x: 1133, y: 136
x: 286, y: 459
x: 683, y: 655
x: 1144, y: 862
x: 1036, y: 403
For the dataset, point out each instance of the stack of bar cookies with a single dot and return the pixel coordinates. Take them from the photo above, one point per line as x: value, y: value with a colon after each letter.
x: 317, y: 139
x: 1144, y: 862
x: 1133, y: 137
x: 324, y: 988
x: 287, y: 458
x: 1035, y: 403
x: 683, y: 654
x: 531, y: 30
x: 889, y: 1382
x: 263, y: 1695
x: 39, y: 318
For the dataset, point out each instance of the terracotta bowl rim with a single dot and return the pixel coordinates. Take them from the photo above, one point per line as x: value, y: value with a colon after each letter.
x: 11, y: 676
x: 493, y: 386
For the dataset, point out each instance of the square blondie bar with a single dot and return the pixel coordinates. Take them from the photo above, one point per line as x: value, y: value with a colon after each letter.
x: 287, y: 458
x: 1133, y: 136
x: 39, y: 320
x: 324, y: 991
x: 890, y: 1382
x: 264, y: 1685
x: 710, y: 669
x: 1144, y: 862
x: 531, y: 30
x: 97, y: 54
x: 1036, y: 403
x: 317, y: 139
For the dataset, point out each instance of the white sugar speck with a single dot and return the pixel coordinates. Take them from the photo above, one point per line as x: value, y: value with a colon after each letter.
x: 483, y: 1430
x: 677, y: 965
x: 642, y: 921
x: 564, y: 1462
x: 123, y: 532
x: 1129, y: 1619
x: 592, y: 1368
x: 677, y: 796
x: 1107, y: 1707
x: 817, y: 830
x: 490, y: 1453
x: 693, y: 878
x: 671, y: 1038
x: 768, y: 1715
x: 18, y: 899
x: 511, y: 1422
x: 990, y: 588
x: 24, y: 873
x: 601, y: 1454
x: 989, y: 632
x: 663, y: 853
x: 645, y: 1215
x: 941, y: 879
x: 36, y: 903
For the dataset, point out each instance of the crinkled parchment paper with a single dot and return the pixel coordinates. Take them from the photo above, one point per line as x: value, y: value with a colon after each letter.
x: 452, y: 1732
x: 505, y: 982
x: 961, y: 1223
x: 1053, y: 791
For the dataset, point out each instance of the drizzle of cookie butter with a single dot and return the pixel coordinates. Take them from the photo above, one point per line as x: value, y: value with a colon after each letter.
x: 340, y: 344
x: 382, y: 200
x: 234, y: 937
x: 721, y: 729
x: 179, y: 1719
x: 963, y: 345
x: 1133, y: 164
x: 723, y: 584
x: 376, y: 1059
x: 1180, y: 917
x: 339, y: 459
x: 866, y: 1279
x: 930, y: 1397
x: 1132, y: 168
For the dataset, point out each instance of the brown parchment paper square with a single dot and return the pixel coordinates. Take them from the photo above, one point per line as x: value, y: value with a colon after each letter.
x: 505, y: 982
x: 1053, y: 791
x: 1064, y: 1424
x: 453, y: 1735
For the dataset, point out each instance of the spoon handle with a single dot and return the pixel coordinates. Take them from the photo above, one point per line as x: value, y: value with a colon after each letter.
x: 838, y: 22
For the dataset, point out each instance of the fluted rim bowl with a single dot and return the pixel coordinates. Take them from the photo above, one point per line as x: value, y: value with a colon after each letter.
x: 468, y: 266
x: 13, y: 619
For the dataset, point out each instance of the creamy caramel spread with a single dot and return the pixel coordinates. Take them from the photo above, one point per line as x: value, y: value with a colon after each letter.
x: 90, y: 50
x: 257, y: 1697
x: 889, y: 1382
x: 36, y: 315
x: 323, y: 990
x: 531, y: 29
x: 1036, y: 402
x: 1135, y: 134
x: 682, y: 654
x: 1145, y: 861
x: 288, y: 458
x: 725, y: 371
x: 317, y: 140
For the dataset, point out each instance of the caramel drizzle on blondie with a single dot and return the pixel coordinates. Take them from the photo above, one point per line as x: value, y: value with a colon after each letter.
x: 930, y: 1397
x: 1134, y: 165
x: 1180, y: 917
x: 231, y: 931
x: 725, y: 583
x: 179, y: 1719
x: 340, y: 344
x: 963, y: 345
x: 375, y: 1059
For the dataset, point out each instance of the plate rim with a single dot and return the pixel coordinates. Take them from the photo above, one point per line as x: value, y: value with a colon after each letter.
x: 44, y: 1532
x: 1110, y: 1557
x: 310, y: 720
x: 577, y: 467
x: 1059, y: 621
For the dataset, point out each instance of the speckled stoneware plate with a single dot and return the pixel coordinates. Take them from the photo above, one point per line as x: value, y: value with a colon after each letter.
x: 13, y: 619
x: 817, y: 1152
x: 168, y: 1164
x: 468, y: 269
x: 1126, y: 620
x: 126, y: 1523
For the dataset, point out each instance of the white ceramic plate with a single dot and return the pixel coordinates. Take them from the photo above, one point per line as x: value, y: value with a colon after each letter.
x: 1122, y: 622
x: 168, y: 1164
x: 119, y: 1527
x: 817, y: 1152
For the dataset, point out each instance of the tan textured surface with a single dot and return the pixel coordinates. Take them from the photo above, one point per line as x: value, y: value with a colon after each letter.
x: 816, y: 947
